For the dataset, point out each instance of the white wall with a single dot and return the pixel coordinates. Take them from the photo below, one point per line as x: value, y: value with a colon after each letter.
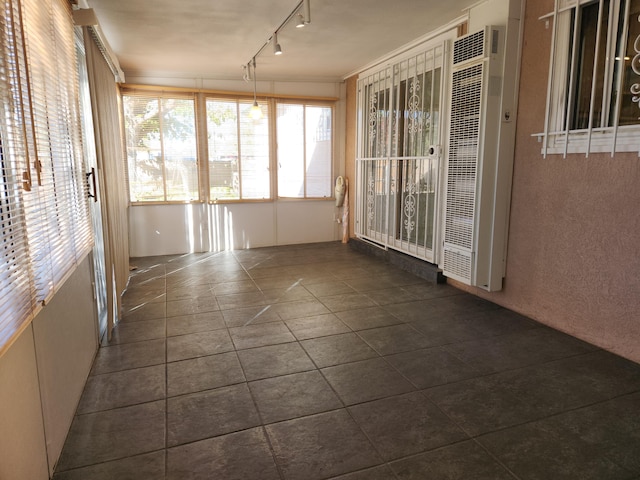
x: 175, y: 229
x: 41, y: 379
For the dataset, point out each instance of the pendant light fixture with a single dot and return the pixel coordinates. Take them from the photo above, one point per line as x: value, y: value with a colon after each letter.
x: 276, y: 46
x: 256, y: 111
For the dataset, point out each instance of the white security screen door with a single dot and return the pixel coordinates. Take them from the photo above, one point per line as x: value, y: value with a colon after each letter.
x: 399, y: 136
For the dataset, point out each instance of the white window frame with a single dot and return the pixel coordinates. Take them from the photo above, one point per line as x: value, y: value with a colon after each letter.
x: 558, y: 137
x: 303, y: 161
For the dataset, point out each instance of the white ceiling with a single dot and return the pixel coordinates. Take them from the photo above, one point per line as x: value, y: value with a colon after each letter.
x: 212, y: 39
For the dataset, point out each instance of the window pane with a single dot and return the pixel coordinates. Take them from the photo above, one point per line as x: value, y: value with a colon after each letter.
x: 291, y: 151
x: 630, y: 102
x: 254, y: 153
x: 318, y: 151
x: 179, y: 143
x: 161, y: 148
x: 585, y: 65
x: 222, y: 139
x: 144, y: 151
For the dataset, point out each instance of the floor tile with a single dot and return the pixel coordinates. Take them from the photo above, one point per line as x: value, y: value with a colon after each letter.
x: 274, y: 360
x: 316, y: 326
x: 325, y: 289
x: 486, y: 404
x: 120, y: 389
x: 198, y: 345
x: 229, y: 288
x: 300, y: 309
x: 145, y: 311
x: 290, y: 294
x: 237, y: 456
x: 388, y: 296
x: 199, y: 322
x: 366, y: 380
x: 320, y: 446
x: 239, y: 300
x: 458, y: 462
x: 519, y: 349
x: 382, y: 472
x: 129, y: 355
x: 405, y: 425
x: 192, y: 306
x: 188, y: 292
x: 347, y: 301
x: 337, y: 349
x: 203, y: 373
x: 394, y: 339
x: 372, y: 317
x: 260, y: 335
x: 431, y: 367
x: 149, y: 466
x: 123, y: 432
x: 211, y: 413
x: 566, y: 455
x: 130, y: 332
x: 291, y: 396
x: 241, y: 317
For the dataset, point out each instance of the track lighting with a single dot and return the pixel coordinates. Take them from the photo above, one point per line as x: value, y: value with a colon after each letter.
x: 276, y: 46
x: 300, y: 21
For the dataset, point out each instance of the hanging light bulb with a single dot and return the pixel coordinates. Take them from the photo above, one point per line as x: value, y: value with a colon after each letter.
x: 255, y: 112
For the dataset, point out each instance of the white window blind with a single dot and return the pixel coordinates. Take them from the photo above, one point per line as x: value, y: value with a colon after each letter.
x: 45, y: 218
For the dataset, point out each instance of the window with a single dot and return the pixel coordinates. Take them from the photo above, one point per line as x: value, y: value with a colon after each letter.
x: 45, y: 229
x: 161, y: 148
x: 594, y: 96
x: 304, y: 151
x: 238, y: 151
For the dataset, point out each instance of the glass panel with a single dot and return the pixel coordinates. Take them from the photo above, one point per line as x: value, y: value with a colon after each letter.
x: 291, y: 151
x: 222, y: 139
x: 630, y: 102
x: 318, y: 151
x: 254, y: 153
x: 180, y: 151
x: 586, y: 54
x: 144, y: 150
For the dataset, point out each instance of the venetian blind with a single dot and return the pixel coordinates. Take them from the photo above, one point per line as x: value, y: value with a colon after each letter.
x: 16, y: 289
x: 46, y: 219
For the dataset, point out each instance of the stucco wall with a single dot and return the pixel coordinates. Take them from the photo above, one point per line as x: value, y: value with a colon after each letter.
x: 573, y: 261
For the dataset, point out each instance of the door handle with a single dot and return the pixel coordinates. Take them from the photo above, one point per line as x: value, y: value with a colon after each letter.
x: 92, y: 174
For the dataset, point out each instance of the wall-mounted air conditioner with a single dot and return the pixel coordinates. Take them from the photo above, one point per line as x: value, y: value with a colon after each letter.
x: 479, y: 160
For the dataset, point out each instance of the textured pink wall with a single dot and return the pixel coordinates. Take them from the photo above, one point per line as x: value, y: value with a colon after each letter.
x: 574, y: 240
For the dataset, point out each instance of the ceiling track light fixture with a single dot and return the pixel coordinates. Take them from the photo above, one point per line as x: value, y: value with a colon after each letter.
x: 302, y: 14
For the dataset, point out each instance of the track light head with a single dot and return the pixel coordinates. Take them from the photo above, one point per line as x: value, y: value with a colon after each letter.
x: 300, y: 21
x: 277, y: 50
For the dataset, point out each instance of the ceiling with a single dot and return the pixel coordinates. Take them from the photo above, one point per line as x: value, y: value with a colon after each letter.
x: 212, y: 39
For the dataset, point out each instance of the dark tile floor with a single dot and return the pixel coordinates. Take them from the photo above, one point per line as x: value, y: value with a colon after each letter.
x: 316, y: 362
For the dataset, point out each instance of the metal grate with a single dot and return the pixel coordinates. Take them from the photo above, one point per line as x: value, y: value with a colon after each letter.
x: 457, y: 264
x: 462, y: 166
x: 463, y: 156
x: 468, y: 48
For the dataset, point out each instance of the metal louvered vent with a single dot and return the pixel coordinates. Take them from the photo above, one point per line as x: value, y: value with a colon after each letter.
x: 468, y: 47
x: 462, y: 169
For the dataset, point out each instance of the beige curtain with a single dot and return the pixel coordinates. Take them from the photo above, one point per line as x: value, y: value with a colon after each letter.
x: 105, y: 103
